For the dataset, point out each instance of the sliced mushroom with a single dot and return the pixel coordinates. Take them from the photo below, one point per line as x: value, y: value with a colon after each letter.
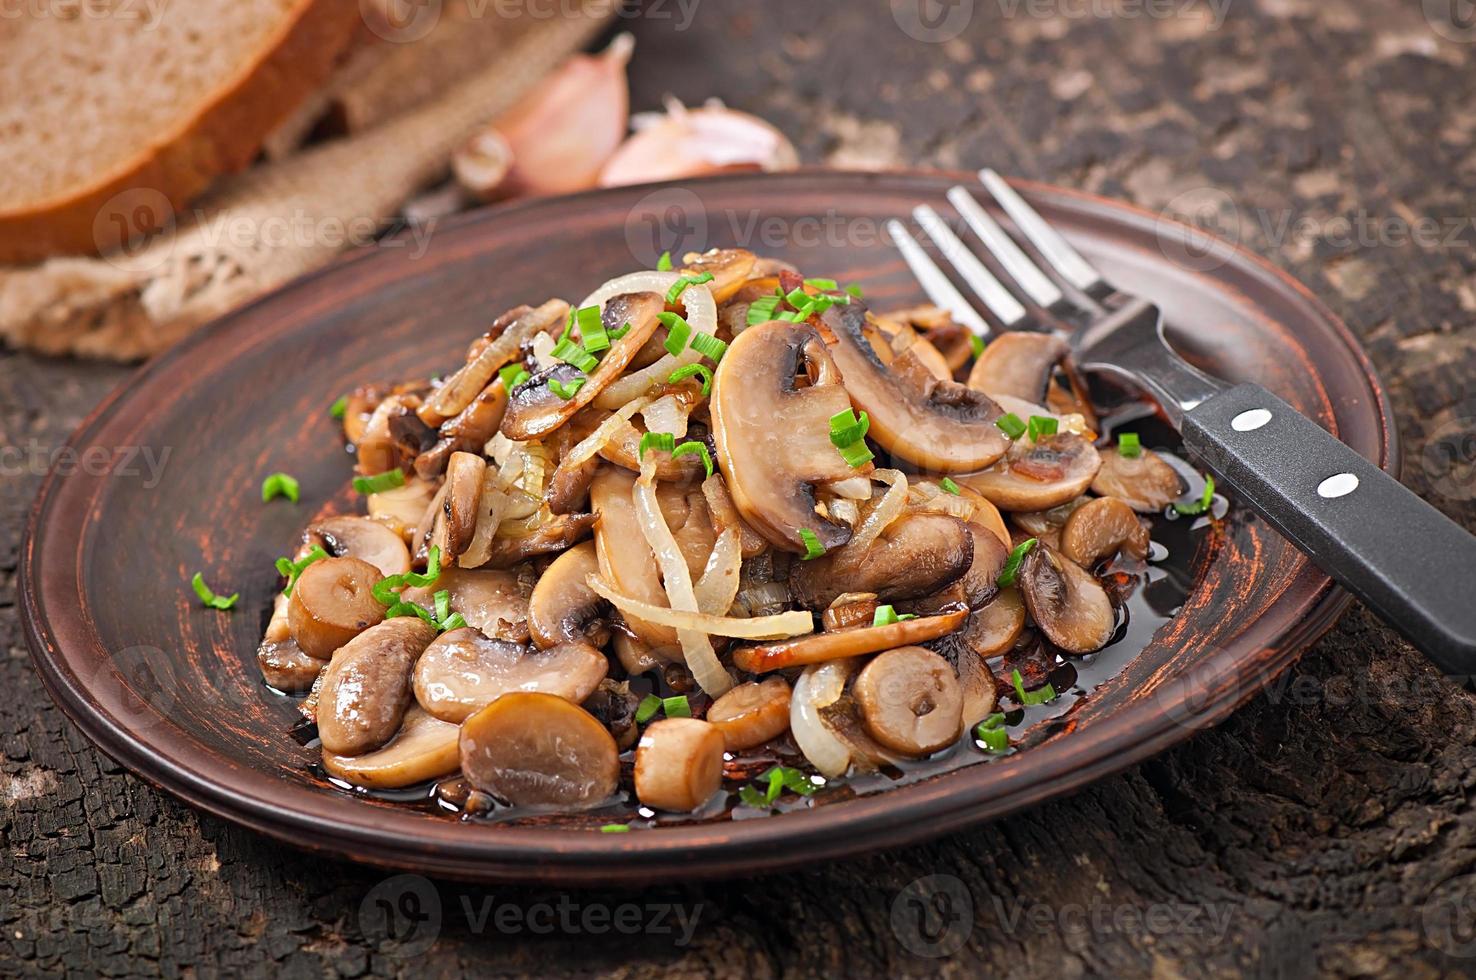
x: 962, y: 502
x: 498, y: 347
x: 535, y: 409
x: 635, y: 656
x: 358, y: 408
x: 773, y: 438
x: 730, y: 268
x: 463, y: 671
x: 725, y: 514
x: 1102, y: 528
x: 563, y: 606
x: 424, y: 748
x: 366, y: 689
x: 850, y: 609
x: 917, y: 555
x: 365, y: 539
x: 464, y: 475
x: 495, y: 602
x: 534, y: 749
x: 1038, y: 476
x: 910, y: 701
x: 939, y: 426
x: 1144, y: 482
x: 1018, y: 364
x: 285, y: 667
x: 1066, y: 602
x: 401, y: 508
x: 834, y: 645
x: 686, y: 513
x: 393, y: 436
x: 625, y: 559
x: 994, y: 628
x: 333, y: 602
x: 977, y: 586
x: 559, y: 532
x: 1044, y: 522
x: 751, y: 714
x: 679, y: 764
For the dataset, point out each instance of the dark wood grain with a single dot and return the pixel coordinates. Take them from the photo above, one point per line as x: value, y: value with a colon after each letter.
x: 1328, y: 819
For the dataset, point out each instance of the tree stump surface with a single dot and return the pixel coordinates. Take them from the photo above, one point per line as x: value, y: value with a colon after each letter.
x: 1327, y: 827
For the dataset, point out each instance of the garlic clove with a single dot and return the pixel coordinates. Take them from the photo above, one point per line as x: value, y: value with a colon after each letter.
x: 561, y: 135
x: 481, y: 166
x: 686, y: 142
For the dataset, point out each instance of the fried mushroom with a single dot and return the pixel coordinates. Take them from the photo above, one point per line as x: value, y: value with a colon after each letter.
x: 918, y: 555
x: 1066, y: 602
x: 1038, y: 476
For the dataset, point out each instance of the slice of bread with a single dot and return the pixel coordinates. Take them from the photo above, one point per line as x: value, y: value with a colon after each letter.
x: 111, y: 108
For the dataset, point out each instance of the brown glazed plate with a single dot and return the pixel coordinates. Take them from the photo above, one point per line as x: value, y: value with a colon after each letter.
x: 171, y: 690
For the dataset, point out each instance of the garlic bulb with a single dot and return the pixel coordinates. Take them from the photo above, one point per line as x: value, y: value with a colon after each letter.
x: 684, y: 142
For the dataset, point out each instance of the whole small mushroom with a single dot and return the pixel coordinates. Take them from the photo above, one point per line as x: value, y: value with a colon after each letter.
x: 366, y: 689
x: 1102, y: 528
x: 1065, y: 601
x: 533, y: 749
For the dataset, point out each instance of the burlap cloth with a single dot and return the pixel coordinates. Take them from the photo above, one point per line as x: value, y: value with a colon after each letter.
x: 419, y: 92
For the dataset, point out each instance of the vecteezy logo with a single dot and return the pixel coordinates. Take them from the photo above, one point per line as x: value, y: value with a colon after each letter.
x: 1450, y: 458
x: 933, y: 916
x: 1454, y: 20
x: 136, y: 687
x: 672, y: 219
x: 401, y: 915
x: 1449, y: 917
x: 1199, y: 229
x: 933, y: 21
x: 400, y: 21
x: 134, y: 229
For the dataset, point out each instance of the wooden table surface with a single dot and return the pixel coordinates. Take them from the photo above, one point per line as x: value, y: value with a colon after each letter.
x: 1326, y: 827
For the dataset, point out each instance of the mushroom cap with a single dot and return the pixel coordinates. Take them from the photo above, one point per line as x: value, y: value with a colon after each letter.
x: 1144, y: 482
x: 366, y: 688
x: 532, y: 749
x: 563, y: 606
x: 349, y: 536
x: 1102, y: 528
x: 625, y: 559
x: 937, y: 425
x: 917, y: 555
x: 424, y: 748
x: 463, y: 671
x: 534, y: 409
x: 1065, y: 601
x: 1018, y: 364
x: 332, y: 602
x: 910, y: 701
x: 459, y: 507
x: 773, y: 438
x: 493, y: 601
x: 1038, y: 476
x: 751, y: 714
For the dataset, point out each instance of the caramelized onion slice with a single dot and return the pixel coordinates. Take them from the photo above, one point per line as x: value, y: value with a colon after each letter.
x: 839, y: 644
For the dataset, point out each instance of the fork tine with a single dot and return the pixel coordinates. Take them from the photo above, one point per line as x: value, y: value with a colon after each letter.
x: 934, y: 282
x: 1035, y: 284
x: 996, y: 297
x: 1069, y: 265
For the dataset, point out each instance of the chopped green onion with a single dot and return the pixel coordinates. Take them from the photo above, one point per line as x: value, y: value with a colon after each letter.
x: 693, y: 371
x: 776, y: 780
x: 976, y: 344
x: 424, y: 580
x: 453, y: 622
x: 845, y: 428
x: 587, y: 318
x: 592, y: 335
x: 676, y: 707
x: 443, y: 604
x: 991, y: 732
x: 1201, y: 505
x: 292, y: 570
x: 948, y: 486
x: 886, y: 616
x: 1041, y: 425
x: 1040, y: 696
x: 798, y: 298
x: 617, y: 334
x: 1012, y: 563
x: 680, y: 286
x: 615, y: 828
x: 571, y: 353
x: 339, y: 408
x: 752, y: 797
x: 566, y: 389
x: 512, y: 376
x: 677, y: 332
x: 663, y: 264
x: 646, y: 710
x: 709, y: 346
x: 821, y: 284
x: 379, y: 482
x: 662, y: 442
x: 208, y: 597
x: 762, y: 310
x: 411, y: 609
x: 688, y: 448
x: 811, y: 541
x: 856, y: 291
x: 793, y: 317
x: 1129, y: 446
x: 793, y: 780
x: 1009, y: 423
x: 857, y: 454
x: 279, y: 485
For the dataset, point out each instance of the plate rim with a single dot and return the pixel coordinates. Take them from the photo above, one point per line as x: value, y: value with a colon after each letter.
x: 583, y: 857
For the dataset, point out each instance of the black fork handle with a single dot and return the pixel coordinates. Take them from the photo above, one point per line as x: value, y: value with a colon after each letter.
x: 1410, y: 563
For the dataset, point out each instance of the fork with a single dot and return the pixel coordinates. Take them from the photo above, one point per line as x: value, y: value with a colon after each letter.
x: 1410, y: 563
